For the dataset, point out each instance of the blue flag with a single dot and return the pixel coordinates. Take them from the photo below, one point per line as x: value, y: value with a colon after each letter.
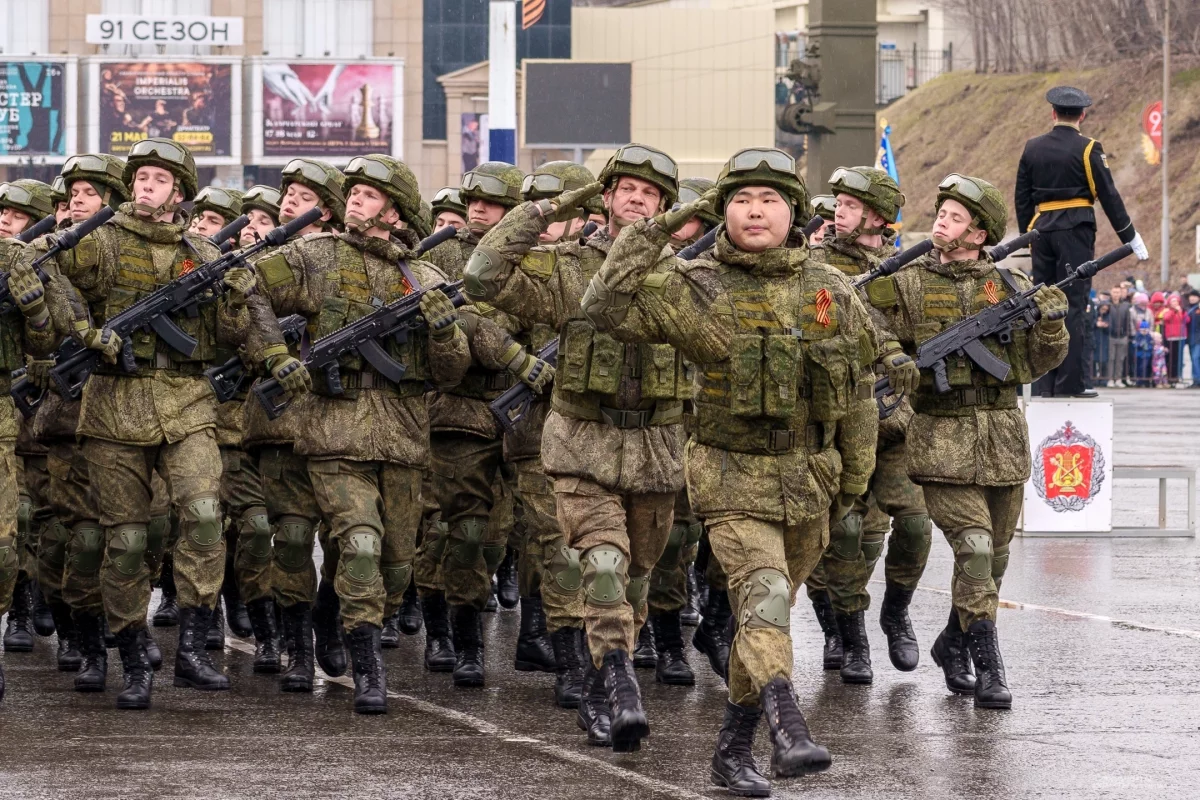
x: 886, y: 161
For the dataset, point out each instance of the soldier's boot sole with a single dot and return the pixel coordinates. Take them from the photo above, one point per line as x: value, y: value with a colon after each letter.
x: 90, y: 686
x: 815, y: 759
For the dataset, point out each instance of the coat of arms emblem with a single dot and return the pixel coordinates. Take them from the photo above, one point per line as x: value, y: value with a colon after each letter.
x: 1068, y: 468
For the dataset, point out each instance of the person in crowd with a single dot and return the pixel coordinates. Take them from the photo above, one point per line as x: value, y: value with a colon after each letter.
x: 1118, y: 337
x: 1174, y: 330
x: 1193, y: 339
x: 1158, y: 363
x: 1103, y: 327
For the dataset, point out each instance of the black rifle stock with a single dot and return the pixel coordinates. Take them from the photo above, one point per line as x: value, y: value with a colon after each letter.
x: 44, y: 225
x: 433, y: 240
x: 510, y: 407
x: 1006, y: 249
x: 224, y: 238
x: 699, y: 246
x: 892, y: 264
x: 227, y: 379
x: 396, y: 320
x: 813, y: 226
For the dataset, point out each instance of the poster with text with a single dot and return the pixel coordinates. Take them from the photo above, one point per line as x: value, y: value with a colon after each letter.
x: 331, y: 110
x: 33, y: 108
x: 189, y: 102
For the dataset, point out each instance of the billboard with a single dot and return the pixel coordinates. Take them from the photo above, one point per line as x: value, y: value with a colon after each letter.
x: 37, y: 109
x: 558, y: 114
x: 332, y: 110
x: 196, y: 103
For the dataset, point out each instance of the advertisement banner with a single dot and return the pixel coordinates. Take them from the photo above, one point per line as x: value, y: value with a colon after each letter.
x: 34, y: 115
x: 329, y: 110
x: 190, y: 102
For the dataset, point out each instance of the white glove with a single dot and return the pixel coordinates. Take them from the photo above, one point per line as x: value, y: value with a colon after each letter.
x: 1139, y: 248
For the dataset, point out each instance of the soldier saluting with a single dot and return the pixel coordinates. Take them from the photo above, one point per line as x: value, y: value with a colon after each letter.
x: 1061, y: 176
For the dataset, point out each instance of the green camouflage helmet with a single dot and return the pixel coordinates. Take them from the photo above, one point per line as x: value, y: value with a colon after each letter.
x: 225, y: 202
x: 690, y: 190
x: 27, y: 196
x: 262, y: 198
x: 762, y: 166
x: 494, y: 181
x: 166, y: 154
x: 105, y: 172
x: 981, y: 198
x: 874, y: 187
x: 448, y: 199
x: 392, y: 177
x: 324, y: 179
x: 824, y: 206
x: 647, y: 163
x: 58, y: 190
x: 555, y: 177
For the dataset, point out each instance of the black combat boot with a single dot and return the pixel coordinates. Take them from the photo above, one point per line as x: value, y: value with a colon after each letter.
x: 833, y: 653
x: 629, y: 724
x: 492, y: 606
x: 594, y: 715
x: 991, y: 686
x: 645, y: 656
x: 266, y: 641
x: 439, y: 648
x: 370, y: 675
x: 167, y: 613
x: 690, y: 616
x: 138, y: 675
x: 110, y: 641
x: 671, y: 667
x: 153, y: 652
x: 69, y: 657
x: 534, y: 651
x: 733, y: 764
x: 507, y: 587
x: 89, y: 632
x: 298, y: 627
x: 568, y: 662
x: 18, y: 635
x: 712, y: 635
x: 468, y: 645
x: 214, y: 638
x: 950, y: 653
x: 795, y: 753
x: 856, y: 658
x: 193, y: 665
x: 893, y: 618
x: 390, y: 638
x: 327, y: 630
x: 236, y: 615
x: 41, y: 615
x: 409, y: 618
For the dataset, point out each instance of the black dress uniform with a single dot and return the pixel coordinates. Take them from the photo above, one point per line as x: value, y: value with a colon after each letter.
x: 1061, y: 177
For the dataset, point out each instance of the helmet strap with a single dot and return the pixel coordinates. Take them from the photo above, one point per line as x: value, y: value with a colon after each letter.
x: 167, y: 207
x: 363, y: 225
x: 958, y: 242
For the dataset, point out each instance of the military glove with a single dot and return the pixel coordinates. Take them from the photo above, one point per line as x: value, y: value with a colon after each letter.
x: 37, y: 372
x: 30, y: 296
x: 1139, y: 248
x: 440, y: 314
x: 842, y: 505
x: 100, y: 339
x: 533, y: 371
x: 292, y: 375
x: 902, y: 372
x: 674, y: 219
x: 239, y: 282
x: 569, y: 204
x: 1051, y: 301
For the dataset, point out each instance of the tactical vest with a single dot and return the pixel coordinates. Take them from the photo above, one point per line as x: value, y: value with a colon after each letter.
x: 348, y: 297
x: 597, y: 375
x: 782, y: 388
x: 12, y: 354
x: 480, y: 383
x: 845, y: 263
x: 971, y: 387
x: 138, y: 276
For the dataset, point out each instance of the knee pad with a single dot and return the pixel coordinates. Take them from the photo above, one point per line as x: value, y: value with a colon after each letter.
x: 872, y: 545
x: 766, y: 600
x: 638, y: 592
x: 202, y: 520
x: 493, y: 554
x: 845, y: 538
x: 254, y: 538
x: 999, y: 563
x: 566, y: 569
x: 913, y: 534
x: 395, y: 577
x: 437, y: 537
x: 293, y: 543
x: 674, y: 549
x: 85, y: 551
x: 360, y: 555
x: 127, y: 548
x: 53, y: 547
x: 24, y: 515
x: 973, y: 555
x: 605, y: 574
x: 691, y: 542
x: 156, y: 535
x: 467, y: 536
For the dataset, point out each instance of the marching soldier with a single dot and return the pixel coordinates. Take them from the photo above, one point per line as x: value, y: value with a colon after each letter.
x: 824, y: 206
x: 448, y: 209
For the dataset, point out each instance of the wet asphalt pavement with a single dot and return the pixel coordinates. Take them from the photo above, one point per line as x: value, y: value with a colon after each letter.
x: 1101, y: 639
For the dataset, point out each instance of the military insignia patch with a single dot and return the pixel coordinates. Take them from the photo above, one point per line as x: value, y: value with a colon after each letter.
x: 989, y: 289
x: 1104, y: 159
x: 1068, y: 469
x: 824, y: 301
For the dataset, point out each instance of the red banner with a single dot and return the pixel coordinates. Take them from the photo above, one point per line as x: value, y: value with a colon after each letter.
x: 1152, y: 123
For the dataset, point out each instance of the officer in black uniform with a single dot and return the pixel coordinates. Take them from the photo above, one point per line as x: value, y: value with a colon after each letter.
x: 1061, y: 176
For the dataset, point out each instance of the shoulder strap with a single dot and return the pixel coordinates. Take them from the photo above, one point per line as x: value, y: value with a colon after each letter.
x: 1009, y: 281
x: 413, y: 283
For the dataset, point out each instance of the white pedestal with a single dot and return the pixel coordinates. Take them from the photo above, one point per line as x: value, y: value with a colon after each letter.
x: 1070, y: 491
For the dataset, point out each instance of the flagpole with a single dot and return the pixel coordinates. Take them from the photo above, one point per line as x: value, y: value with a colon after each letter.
x: 502, y: 81
x: 1165, y: 269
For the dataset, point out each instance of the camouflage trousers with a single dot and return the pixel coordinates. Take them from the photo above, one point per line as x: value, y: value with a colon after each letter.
x: 9, y: 557
x: 431, y: 542
x: 620, y: 538
x: 979, y: 523
x: 294, y: 518
x: 121, y: 477
x: 33, y: 512
x: 710, y: 565
x: 766, y: 562
x: 465, y: 471
x: 556, y: 574
x: 893, y: 503
x: 668, y: 579
x: 247, y: 525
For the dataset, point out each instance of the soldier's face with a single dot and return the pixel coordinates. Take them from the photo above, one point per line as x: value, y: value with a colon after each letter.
x: 688, y: 231
x: 298, y: 199
x: 85, y: 200
x: 632, y: 199
x: 12, y: 222
x: 484, y: 213
x: 62, y: 210
x: 448, y: 218
x: 758, y: 218
x: 367, y: 202
x: 952, y: 221
x: 260, y: 225
x: 155, y: 186
x: 206, y: 223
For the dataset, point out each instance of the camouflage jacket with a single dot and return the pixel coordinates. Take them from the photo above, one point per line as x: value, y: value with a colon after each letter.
x: 778, y: 343
x: 332, y: 280
x: 17, y: 337
x: 975, y: 434
x: 545, y: 285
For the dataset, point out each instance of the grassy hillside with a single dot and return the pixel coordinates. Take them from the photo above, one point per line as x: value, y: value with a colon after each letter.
x: 978, y: 124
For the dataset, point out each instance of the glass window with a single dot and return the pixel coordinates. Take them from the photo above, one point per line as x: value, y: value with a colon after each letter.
x: 319, y: 28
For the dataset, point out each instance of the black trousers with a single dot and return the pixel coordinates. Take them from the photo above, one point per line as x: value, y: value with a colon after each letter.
x: 1054, y: 254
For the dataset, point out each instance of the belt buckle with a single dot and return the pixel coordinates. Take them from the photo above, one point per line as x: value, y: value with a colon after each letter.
x: 162, y: 360
x: 970, y: 397
x: 780, y: 441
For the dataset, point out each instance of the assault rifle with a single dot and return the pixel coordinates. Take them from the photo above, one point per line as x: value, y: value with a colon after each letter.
x: 433, y: 240
x: 510, y: 407
x: 185, y: 294
x: 224, y: 238
x: 699, y: 246
x: 227, y: 379
x: 396, y: 320
x: 67, y: 240
x: 1006, y: 249
x: 43, y: 226
x: 892, y: 264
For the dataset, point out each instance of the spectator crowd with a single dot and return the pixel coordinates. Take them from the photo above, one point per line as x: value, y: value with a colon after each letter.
x: 1145, y: 339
